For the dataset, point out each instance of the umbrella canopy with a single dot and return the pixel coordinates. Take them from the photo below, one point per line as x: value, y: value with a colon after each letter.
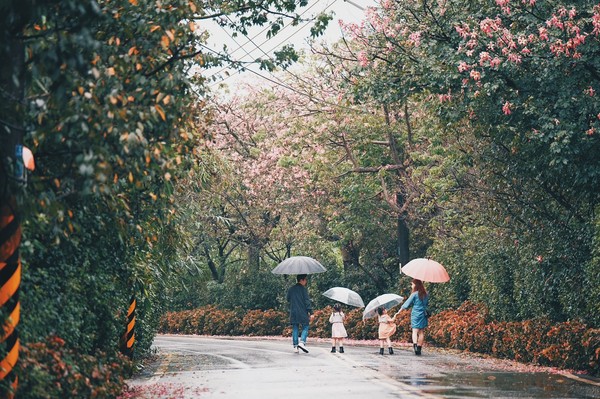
x: 386, y: 300
x: 28, y: 159
x: 345, y: 295
x: 426, y: 270
x: 299, y: 265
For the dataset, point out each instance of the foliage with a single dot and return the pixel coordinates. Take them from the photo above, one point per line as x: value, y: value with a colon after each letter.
x: 101, y: 91
x: 510, y: 91
x: 568, y: 345
x: 263, y: 322
x: 49, y: 369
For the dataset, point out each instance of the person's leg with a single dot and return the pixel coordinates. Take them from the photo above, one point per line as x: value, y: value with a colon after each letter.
x: 389, y: 345
x: 420, y: 340
x: 381, y: 346
x: 295, y: 335
x: 341, y: 343
x: 415, y: 339
x: 304, y: 335
x: 333, y: 342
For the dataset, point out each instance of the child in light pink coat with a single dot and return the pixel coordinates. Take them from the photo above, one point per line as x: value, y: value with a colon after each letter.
x: 387, y: 328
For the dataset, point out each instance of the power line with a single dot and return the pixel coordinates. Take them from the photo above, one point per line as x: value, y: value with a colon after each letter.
x: 251, y: 40
x: 280, y: 43
x: 275, y: 80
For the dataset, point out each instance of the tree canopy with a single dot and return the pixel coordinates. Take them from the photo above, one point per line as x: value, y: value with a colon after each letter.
x: 462, y: 131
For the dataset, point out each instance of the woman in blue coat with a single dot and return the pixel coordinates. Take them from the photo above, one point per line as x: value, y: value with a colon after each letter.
x: 419, y: 299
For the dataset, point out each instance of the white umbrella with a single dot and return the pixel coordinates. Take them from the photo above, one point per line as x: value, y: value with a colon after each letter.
x: 386, y: 300
x: 299, y: 265
x: 345, y: 295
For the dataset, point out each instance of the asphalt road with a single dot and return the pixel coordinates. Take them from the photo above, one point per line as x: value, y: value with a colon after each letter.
x: 248, y: 368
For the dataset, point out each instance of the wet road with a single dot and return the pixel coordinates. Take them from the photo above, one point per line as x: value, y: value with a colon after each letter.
x: 205, y: 367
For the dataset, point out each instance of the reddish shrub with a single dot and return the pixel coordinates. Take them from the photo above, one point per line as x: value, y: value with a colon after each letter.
x: 267, y: 322
x: 52, y: 370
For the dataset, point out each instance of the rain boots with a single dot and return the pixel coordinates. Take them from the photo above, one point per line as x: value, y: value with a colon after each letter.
x: 333, y: 349
x: 341, y: 349
x: 381, y: 351
x: 390, y: 350
x: 417, y: 349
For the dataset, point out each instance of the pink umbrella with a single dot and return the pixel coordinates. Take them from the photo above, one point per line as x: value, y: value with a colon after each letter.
x: 426, y: 270
x: 28, y: 160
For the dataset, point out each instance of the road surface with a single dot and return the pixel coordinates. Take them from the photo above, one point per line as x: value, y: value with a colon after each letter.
x: 265, y: 368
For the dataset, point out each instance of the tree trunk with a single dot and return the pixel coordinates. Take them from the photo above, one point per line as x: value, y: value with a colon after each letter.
x: 253, y: 257
x: 398, y: 155
x: 403, y: 233
x: 350, y: 256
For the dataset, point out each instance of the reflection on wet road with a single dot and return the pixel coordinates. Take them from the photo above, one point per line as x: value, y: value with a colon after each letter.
x: 502, y: 385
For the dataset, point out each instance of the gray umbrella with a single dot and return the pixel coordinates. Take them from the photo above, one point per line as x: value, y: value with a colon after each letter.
x: 345, y: 295
x: 299, y: 265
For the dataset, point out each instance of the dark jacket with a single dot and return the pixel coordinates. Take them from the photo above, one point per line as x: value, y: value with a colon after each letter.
x: 300, y: 307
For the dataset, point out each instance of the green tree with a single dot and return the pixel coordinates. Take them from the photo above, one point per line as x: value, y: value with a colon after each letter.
x: 102, y: 93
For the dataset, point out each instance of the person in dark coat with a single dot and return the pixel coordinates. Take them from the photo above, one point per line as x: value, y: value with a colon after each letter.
x: 300, y: 312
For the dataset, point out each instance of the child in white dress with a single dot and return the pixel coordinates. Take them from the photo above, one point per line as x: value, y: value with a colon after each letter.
x: 338, y: 331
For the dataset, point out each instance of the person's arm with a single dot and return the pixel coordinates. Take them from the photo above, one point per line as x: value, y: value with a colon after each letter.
x: 406, y: 304
x: 307, y: 303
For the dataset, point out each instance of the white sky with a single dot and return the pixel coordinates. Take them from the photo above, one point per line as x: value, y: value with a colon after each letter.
x: 257, y: 45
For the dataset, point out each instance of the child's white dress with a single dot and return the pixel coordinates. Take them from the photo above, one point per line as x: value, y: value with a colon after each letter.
x: 337, y: 325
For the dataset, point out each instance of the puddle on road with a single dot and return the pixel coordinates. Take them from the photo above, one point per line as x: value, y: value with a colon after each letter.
x: 502, y: 385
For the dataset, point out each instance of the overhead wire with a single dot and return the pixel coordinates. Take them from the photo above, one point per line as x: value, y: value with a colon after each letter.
x: 258, y: 47
x: 251, y: 40
x: 275, y: 80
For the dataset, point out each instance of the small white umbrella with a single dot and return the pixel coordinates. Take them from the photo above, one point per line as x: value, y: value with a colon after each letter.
x: 345, y: 295
x: 386, y: 300
x: 299, y: 265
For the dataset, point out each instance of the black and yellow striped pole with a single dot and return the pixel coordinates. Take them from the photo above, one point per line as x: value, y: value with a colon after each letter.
x: 129, y: 336
x: 10, y: 280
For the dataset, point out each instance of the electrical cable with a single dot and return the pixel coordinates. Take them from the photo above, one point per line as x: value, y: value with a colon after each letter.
x: 251, y: 40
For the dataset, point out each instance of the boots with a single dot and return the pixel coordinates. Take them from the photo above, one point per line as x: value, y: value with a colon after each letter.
x: 333, y: 349
x: 415, y: 348
x: 381, y: 351
x: 418, y: 352
x: 341, y: 349
x: 390, y: 350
